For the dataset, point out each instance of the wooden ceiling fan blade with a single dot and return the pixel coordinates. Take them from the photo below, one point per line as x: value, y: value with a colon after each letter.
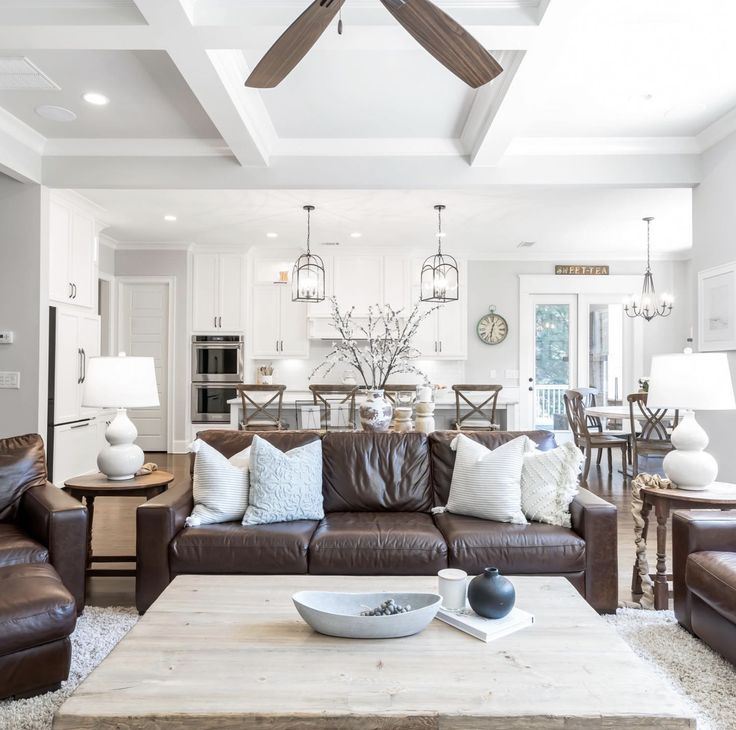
x: 446, y: 40
x: 294, y: 44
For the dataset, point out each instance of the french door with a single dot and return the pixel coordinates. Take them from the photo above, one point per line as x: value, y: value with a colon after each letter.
x: 572, y: 340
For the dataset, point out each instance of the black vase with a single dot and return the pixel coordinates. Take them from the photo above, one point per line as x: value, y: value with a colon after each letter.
x: 491, y: 595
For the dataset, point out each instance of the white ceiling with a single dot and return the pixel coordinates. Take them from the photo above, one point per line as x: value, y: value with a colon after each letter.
x: 148, y: 97
x: 489, y: 224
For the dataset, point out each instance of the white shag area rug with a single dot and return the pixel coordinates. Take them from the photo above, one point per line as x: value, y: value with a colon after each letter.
x: 705, y: 680
x: 98, y: 631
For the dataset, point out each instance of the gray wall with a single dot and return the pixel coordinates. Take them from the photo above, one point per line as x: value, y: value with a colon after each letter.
x: 24, y: 305
x: 106, y: 257
x: 714, y: 243
x: 174, y: 264
x: 497, y: 283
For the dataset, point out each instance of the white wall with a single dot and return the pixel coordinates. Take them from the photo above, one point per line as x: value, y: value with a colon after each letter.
x: 106, y: 256
x: 174, y: 264
x: 24, y: 305
x: 714, y: 243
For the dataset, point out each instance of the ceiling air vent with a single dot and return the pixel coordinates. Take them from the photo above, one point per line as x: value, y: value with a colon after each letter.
x: 17, y: 72
x: 525, y: 244
x: 331, y: 243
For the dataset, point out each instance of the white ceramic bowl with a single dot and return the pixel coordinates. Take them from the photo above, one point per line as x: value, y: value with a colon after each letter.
x: 338, y: 614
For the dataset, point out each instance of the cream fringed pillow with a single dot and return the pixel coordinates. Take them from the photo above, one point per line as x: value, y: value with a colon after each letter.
x: 220, y: 485
x: 549, y: 483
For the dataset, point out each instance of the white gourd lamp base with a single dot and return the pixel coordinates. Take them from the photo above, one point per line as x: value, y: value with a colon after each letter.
x: 122, y: 458
x: 689, y: 466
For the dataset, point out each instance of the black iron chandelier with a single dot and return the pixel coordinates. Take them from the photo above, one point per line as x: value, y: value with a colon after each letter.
x: 308, y: 275
x: 440, y: 280
x: 648, y: 307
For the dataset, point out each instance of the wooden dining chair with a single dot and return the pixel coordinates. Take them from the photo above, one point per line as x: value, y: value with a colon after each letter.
x: 653, y: 437
x: 257, y: 399
x: 479, y: 402
x: 328, y: 396
x: 590, y: 396
x: 585, y: 439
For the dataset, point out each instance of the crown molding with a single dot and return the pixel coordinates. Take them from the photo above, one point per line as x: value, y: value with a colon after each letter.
x: 718, y: 130
x: 154, y: 246
x: 575, y: 146
x: 108, y: 147
x: 368, y: 147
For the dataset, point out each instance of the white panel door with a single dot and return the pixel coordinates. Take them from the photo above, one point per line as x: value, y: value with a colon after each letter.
x: 68, y: 368
x: 231, y: 286
x: 82, y: 260
x: 294, y: 338
x: 144, y: 332
x: 267, y: 319
x: 60, y: 288
x: 205, y: 299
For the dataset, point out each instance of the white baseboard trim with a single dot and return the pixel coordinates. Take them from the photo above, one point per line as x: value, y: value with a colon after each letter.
x: 180, y: 447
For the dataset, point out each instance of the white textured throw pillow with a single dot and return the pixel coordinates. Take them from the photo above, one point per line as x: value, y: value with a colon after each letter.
x: 284, y: 486
x: 220, y: 485
x: 486, y: 483
x: 549, y: 483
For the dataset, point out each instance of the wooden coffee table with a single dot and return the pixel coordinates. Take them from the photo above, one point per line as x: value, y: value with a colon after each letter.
x: 232, y: 652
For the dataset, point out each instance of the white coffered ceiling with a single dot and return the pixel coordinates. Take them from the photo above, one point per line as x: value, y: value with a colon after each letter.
x: 595, y: 93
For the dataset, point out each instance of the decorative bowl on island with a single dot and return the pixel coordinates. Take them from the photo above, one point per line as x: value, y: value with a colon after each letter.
x: 339, y: 614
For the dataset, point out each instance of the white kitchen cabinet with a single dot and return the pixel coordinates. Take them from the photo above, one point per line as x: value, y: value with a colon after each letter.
x: 394, y: 282
x: 218, y: 283
x: 358, y: 282
x: 75, y: 450
x: 443, y: 335
x: 279, y: 325
x: 77, y: 339
x: 72, y: 260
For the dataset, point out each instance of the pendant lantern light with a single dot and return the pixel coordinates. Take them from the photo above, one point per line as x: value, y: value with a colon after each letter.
x: 648, y: 307
x: 308, y: 276
x: 440, y: 281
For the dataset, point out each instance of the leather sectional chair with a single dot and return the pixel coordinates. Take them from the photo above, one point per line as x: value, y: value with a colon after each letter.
x: 43, y: 547
x: 379, y: 490
x: 704, y: 572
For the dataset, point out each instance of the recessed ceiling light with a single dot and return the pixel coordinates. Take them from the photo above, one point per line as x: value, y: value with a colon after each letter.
x: 170, y: 218
x: 356, y: 235
x: 95, y: 98
x: 55, y: 113
x: 272, y: 235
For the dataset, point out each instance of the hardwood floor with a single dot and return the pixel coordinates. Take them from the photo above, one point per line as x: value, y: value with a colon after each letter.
x: 114, y: 528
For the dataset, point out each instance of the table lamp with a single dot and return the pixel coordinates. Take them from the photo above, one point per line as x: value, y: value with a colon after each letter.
x: 695, y: 381
x: 120, y: 382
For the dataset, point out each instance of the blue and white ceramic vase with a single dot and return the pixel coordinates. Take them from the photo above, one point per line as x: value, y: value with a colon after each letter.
x: 491, y: 595
x: 375, y: 411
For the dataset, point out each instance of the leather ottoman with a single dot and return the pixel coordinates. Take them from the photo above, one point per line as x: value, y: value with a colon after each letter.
x: 37, y: 616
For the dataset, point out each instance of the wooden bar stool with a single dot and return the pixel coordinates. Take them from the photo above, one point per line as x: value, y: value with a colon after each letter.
x: 482, y: 415
x: 256, y: 399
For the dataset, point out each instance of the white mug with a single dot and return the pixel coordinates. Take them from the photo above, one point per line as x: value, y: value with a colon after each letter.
x: 452, y: 586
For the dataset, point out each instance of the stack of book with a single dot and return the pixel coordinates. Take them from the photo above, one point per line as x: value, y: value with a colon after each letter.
x: 485, y: 629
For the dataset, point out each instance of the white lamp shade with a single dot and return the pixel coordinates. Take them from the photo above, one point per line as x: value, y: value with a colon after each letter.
x: 120, y: 382
x: 698, y: 381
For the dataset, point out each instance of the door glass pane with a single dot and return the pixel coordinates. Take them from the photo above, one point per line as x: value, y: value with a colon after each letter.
x: 605, y: 352
x: 552, y: 365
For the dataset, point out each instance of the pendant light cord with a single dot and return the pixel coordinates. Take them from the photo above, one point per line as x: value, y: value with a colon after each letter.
x: 649, y: 267
x: 309, y: 231
x: 439, y: 231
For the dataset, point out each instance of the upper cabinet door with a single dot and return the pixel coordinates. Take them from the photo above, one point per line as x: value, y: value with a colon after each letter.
x: 266, y: 339
x: 426, y: 338
x: 206, y: 299
x: 451, y: 331
x: 358, y: 282
x: 232, y: 288
x: 395, y: 279
x: 82, y: 260
x: 60, y: 285
x: 294, y: 338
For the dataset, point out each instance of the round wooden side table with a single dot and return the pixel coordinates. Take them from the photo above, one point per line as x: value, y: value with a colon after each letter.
x: 719, y: 495
x: 90, y: 486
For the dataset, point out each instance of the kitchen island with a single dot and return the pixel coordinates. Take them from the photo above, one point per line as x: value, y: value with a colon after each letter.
x: 507, y: 409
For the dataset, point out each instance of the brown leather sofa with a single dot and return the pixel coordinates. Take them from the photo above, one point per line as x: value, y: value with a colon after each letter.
x: 704, y: 572
x: 43, y: 545
x: 379, y: 490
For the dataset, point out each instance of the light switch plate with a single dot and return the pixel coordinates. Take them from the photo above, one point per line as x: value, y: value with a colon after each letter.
x: 6, y: 337
x: 494, y: 374
x: 10, y: 380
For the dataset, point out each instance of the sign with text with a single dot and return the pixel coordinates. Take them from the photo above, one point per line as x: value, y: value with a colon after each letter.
x: 581, y: 270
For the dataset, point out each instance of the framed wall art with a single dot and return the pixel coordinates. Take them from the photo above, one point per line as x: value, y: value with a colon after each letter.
x: 717, y: 308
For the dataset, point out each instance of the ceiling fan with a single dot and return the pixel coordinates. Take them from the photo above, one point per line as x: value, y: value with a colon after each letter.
x: 436, y: 31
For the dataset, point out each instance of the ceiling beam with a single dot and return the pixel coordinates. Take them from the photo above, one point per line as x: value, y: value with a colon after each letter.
x: 21, y: 149
x: 240, y: 116
x: 361, y: 173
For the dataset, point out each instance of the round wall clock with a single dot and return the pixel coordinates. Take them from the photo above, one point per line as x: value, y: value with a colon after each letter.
x: 492, y: 328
